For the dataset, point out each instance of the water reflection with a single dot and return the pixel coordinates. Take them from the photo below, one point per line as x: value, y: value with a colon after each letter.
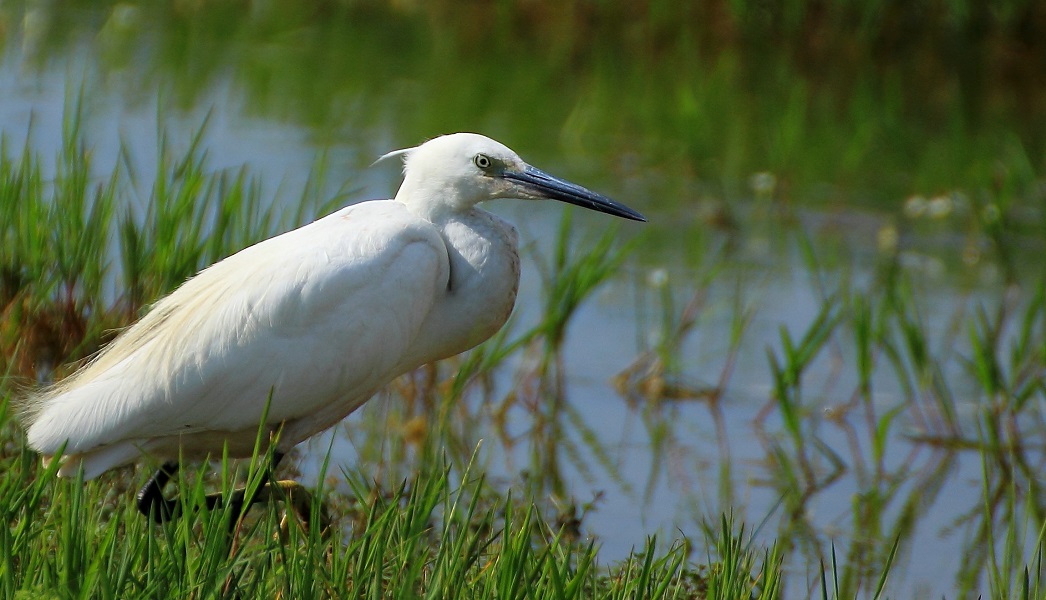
x: 853, y: 460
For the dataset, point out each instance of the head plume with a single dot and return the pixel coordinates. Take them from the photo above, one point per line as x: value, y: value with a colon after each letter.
x: 404, y: 152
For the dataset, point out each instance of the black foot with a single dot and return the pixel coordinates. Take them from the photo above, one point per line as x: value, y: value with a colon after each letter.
x: 152, y: 504
x: 150, y: 500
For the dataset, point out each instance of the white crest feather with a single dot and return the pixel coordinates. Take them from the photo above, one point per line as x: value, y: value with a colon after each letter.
x: 401, y: 152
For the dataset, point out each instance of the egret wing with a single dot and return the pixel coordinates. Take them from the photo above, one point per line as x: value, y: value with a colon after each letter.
x: 316, y: 319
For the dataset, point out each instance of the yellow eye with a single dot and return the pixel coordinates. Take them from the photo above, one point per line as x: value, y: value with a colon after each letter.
x: 482, y: 161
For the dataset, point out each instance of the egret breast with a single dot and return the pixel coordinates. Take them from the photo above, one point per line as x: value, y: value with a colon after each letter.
x: 484, y: 278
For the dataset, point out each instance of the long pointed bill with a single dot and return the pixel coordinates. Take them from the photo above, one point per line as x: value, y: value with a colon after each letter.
x: 548, y: 186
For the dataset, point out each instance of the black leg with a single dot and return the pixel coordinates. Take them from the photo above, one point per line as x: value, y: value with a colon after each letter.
x: 152, y: 504
x: 238, y: 498
x: 150, y: 500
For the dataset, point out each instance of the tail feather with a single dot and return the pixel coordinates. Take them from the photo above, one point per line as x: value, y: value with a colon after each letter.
x: 28, y: 401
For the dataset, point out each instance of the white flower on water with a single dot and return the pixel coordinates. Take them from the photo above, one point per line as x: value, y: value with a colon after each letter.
x: 915, y: 206
x: 657, y: 278
x: 763, y: 183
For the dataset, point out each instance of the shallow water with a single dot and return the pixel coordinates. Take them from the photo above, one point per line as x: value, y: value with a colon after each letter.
x: 277, y: 99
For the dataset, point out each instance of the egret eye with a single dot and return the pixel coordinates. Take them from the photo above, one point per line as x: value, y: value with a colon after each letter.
x: 482, y: 161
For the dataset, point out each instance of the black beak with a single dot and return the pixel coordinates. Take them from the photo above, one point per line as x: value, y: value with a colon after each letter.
x: 548, y: 186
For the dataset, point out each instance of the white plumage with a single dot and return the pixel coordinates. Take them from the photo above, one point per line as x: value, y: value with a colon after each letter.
x: 320, y: 318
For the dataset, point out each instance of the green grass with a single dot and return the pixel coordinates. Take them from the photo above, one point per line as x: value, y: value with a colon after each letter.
x: 440, y: 534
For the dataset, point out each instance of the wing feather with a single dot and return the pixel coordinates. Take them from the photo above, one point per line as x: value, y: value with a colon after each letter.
x: 318, y: 316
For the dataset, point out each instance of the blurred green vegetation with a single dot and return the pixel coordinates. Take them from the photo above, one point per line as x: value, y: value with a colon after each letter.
x: 844, y: 102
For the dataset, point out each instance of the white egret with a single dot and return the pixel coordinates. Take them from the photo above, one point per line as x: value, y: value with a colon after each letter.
x: 313, y: 322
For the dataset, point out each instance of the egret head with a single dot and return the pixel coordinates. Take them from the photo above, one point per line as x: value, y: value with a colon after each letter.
x: 455, y: 172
